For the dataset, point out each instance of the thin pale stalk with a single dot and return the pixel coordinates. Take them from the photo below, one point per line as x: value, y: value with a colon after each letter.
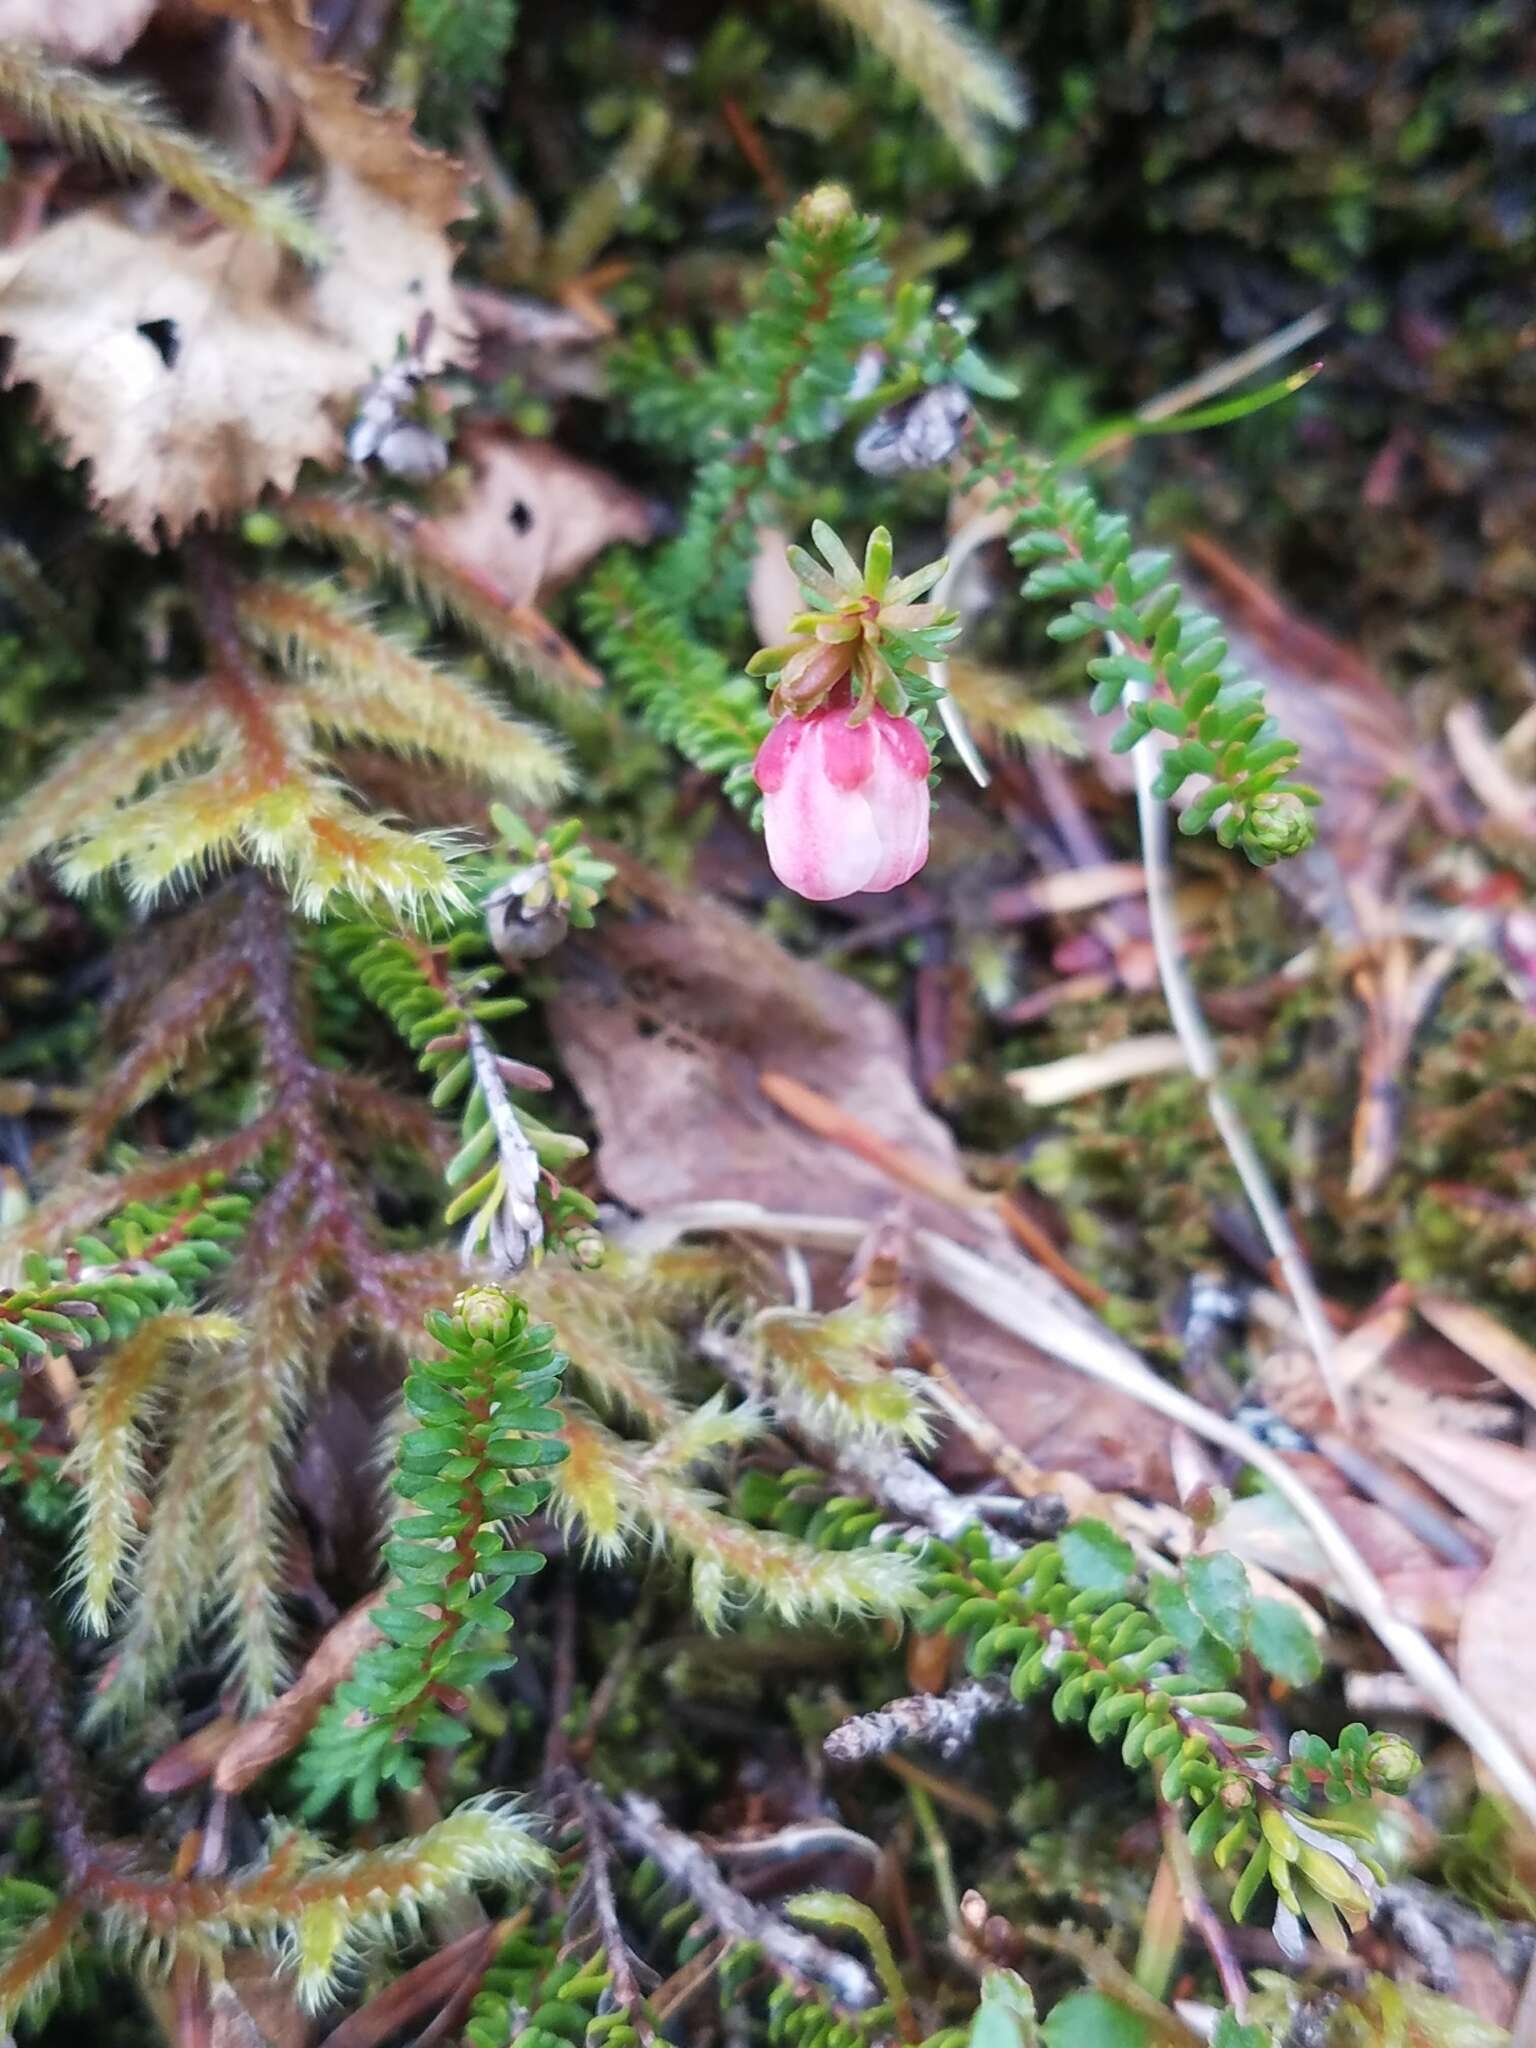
x: 1200, y: 1051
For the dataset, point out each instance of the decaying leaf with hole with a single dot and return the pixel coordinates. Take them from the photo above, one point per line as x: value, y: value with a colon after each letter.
x: 200, y: 369
x: 180, y: 378
x: 533, y: 516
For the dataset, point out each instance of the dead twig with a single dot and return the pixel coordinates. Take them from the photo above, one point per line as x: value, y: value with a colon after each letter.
x: 946, y: 1721
x: 624, y: 1984
x: 638, y: 1822
x: 1199, y: 1912
x: 1137, y: 1058
x: 1398, y: 995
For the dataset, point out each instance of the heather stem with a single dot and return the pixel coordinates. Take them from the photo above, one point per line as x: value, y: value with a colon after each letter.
x: 37, y: 1690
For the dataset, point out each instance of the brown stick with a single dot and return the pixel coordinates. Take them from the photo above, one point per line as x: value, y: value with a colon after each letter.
x: 829, y: 1120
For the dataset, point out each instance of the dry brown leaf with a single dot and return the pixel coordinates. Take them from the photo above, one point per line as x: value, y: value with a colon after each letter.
x: 427, y: 1988
x: 196, y: 372
x: 279, y: 1728
x: 82, y: 31
x: 1264, y: 1531
x: 1491, y: 1483
x: 1398, y: 992
x: 1485, y: 1340
x: 1486, y: 771
x: 235, y: 1753
x: 179, y: 376
x: 376, y: 144
x: 1368, y: 1344
x: 255, y: 2005
x: 191, y: 1760
x: 1498, y: 1644
x: 534, y: 516
x: 667, y: 1020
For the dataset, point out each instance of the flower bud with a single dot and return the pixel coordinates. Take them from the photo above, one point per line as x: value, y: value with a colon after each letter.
x: 524, y: 918
x: 483, y: 1310
x: 825, y: 208
x: 1277, y: 824
x: 1391, y: 1764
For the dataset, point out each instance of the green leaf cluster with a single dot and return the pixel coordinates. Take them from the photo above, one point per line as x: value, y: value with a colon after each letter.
x: 1212, y: 1611
x: 779, y: 378
x: 559, y: 1999
x: 1167, y: 666
x: 461, y: 46
x: 1088, y: 2019
x: 473, y: 1463
x: 687, y: 694
x: 1152, y: 1670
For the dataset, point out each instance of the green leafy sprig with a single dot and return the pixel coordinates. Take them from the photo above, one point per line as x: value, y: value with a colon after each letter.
x: 1157, y: 1674
x: 150, y: 1257
x: 688, y: 695
x: 483, y: 1435
x: 562, y: 1999
x: 780, y: 378
x: 1167, y: 664
x: 437, y: 988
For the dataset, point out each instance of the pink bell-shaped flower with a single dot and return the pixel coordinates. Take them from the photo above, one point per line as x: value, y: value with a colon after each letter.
x: 845, y: 805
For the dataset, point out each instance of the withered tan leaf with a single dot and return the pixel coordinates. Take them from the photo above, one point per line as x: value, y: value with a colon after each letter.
x: 1498, y: 1644
x: 181, y: 377
x: 84, y: 31
x: 234, y: 1753
x: 280, y: 1727
x: 1491, y: 1483
x: 375, y: 143
x: 1264, y: 1531
x: 195, y: 372
x: 1488, y: 1342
